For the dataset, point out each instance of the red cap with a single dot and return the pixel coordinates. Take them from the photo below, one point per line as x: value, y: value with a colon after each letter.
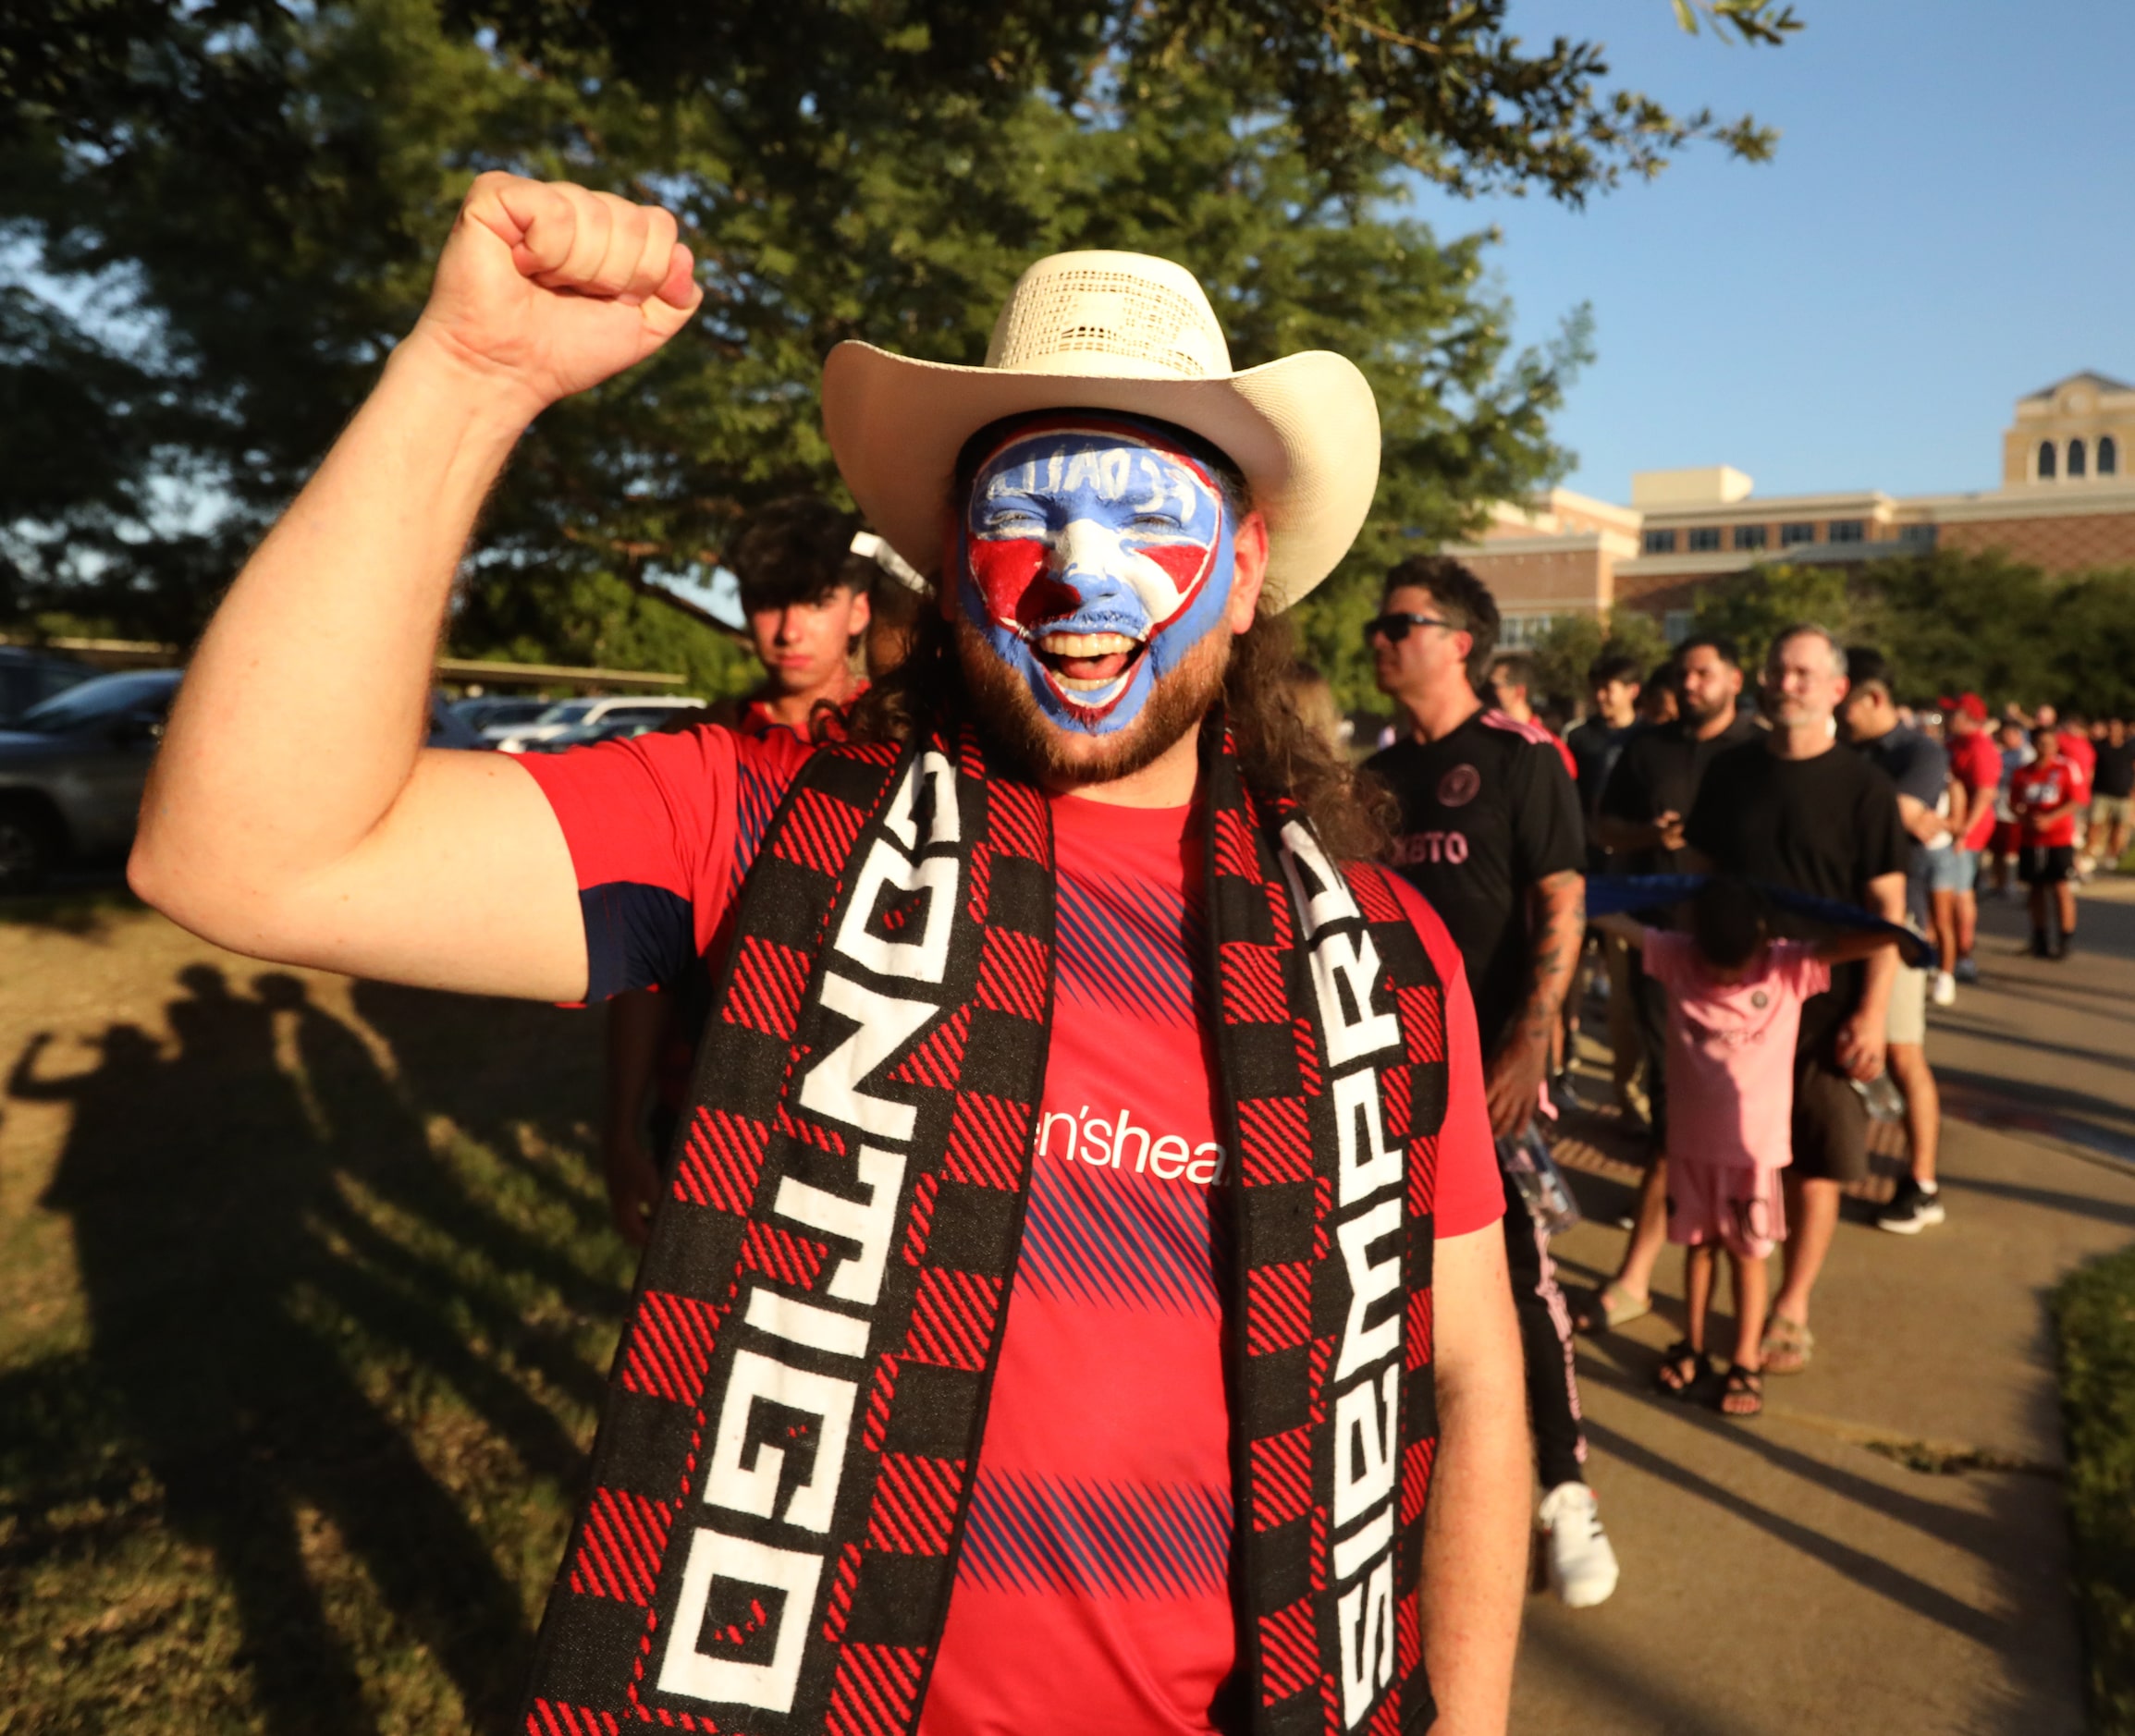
x: 1972, y: 704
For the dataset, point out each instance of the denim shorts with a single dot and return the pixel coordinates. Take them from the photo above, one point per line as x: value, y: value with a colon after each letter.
x: 1952, y: 869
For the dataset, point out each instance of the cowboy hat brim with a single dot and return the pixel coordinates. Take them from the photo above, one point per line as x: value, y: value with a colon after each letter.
x: 1303, y: 431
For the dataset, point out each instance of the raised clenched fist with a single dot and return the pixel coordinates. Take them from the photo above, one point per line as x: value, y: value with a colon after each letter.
x: 551, y: 288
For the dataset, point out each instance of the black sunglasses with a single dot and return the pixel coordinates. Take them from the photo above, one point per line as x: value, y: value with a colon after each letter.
x: 1395, y: 625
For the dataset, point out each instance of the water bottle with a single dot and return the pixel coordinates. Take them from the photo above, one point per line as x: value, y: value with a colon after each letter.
x: 1537, y: 1180
x: 1885, y: 1101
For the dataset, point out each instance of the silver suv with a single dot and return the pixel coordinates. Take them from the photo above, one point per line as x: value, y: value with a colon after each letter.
x: 71, y: 771
x: 621, y: 715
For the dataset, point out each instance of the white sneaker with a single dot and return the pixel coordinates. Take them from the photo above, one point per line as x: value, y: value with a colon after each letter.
x: 1582, y: 1565
x: 1945, y: 989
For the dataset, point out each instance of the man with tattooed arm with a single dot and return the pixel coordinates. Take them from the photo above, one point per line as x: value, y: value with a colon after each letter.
x: 1491, y: 834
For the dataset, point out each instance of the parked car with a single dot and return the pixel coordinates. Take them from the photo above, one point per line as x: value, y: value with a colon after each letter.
x: 580, y: 713
x: 71, y: 769
x: 621, y: 723
x: 28, y: 676
x: 448, y: 728
x: 495, y: 710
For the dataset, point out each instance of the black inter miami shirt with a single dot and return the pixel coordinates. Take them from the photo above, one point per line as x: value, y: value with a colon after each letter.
x: 1486, y: 812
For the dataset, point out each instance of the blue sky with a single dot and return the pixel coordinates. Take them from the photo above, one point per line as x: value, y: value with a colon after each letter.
x: 1949, y: 223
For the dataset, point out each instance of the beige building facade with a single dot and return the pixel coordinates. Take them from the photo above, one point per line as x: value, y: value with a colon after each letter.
x: 2067, y: 502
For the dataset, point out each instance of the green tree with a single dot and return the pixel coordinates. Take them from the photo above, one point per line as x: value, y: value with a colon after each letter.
x: 216, y: 218
x: 1752, y: 608
x: 1952, y: 621
x: 1569, y: 646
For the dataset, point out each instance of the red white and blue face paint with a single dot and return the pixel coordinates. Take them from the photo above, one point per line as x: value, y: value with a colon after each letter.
x: 1094, y: 555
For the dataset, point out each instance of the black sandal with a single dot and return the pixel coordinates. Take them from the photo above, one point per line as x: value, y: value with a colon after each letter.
x: 1741, y: 1383
x: 1684, y: 1373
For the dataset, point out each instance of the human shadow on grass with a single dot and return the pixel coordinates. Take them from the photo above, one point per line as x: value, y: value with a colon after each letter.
x: 235, y: 1294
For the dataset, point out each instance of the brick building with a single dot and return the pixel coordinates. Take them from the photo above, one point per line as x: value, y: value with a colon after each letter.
x: 2067, y: 502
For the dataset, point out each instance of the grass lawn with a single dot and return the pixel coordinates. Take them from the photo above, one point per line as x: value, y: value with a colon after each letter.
x: 307, y: 1296
x: 2094, y: 1311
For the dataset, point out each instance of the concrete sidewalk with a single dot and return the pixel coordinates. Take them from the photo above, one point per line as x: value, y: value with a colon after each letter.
x: 1886, y: 1550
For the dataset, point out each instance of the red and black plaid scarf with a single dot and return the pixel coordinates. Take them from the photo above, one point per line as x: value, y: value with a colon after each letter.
x: 786, y: 1453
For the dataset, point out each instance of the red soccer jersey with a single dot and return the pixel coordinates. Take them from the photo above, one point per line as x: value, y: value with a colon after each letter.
x: 1976, y: 763
x: 2041, y: 786
x: 1092, y: 1590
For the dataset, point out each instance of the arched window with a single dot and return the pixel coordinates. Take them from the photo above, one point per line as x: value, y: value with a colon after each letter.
x: 2108, y: 456
x: 2075, y: 457
x: 2045, y: 461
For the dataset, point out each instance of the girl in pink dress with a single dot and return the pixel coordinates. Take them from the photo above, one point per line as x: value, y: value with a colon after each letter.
x: 1735, y: 996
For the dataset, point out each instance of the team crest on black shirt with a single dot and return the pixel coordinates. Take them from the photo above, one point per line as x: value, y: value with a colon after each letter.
x: 1459, y: 786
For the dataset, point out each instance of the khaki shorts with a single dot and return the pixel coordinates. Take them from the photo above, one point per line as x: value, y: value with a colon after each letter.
x: 1907, y: 1019
x: 2112, y: 810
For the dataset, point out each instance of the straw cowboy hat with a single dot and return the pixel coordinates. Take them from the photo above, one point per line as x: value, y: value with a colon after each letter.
x: 1120, y: 332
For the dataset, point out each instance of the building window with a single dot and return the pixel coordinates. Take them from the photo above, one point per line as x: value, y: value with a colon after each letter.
x: 2045, y: 461
x: 1515, y: 631
x: 1660, y: 541
x: 1791, y: 534
x: 1847, y: 531
x: 2075, y: 457
x: 1704, y: 539
x: 1917, y: 535
x: 2108, y: 456
x: 1675, y: 625
x: 1750, y: 536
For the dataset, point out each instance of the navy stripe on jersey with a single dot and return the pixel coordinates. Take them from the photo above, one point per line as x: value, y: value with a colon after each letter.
x: 1042, y: 1534
x: 1125, y: 947
x: 1094, y: 1236
x: 635, y: 935
x: 757, y: 792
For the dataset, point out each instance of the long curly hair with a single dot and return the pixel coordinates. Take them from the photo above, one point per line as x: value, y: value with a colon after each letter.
x: 1280, y: 755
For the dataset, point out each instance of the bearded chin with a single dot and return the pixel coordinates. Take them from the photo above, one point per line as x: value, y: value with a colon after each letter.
x: 1062, y: 758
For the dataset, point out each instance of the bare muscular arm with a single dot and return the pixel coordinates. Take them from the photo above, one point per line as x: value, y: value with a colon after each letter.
x: 1476, y: 1529
x: 293, y: 812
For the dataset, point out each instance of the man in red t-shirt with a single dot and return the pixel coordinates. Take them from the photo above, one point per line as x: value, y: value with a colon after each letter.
x: 2048, y: 796
x: 1975, y: 781
x: 1111, y: 511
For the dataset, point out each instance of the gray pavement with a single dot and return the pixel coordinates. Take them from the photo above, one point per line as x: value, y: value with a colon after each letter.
x: 1885, y: 1549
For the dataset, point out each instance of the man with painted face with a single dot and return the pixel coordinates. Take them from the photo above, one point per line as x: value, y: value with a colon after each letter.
x: 1079, y: 1303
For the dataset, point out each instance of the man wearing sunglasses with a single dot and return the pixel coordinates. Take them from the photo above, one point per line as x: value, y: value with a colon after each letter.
x: 1491, y: 834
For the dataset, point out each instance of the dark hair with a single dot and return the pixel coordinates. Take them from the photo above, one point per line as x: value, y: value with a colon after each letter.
x: 1518, y: 667
x: 1613, y: 666
x: 1727, y: 919
x: 1462, y: 598
x: 1719, y: 645
x: 895, y: 603
x: 1864, y: 665
x: 1668, y: 675
x: 795, y: 550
